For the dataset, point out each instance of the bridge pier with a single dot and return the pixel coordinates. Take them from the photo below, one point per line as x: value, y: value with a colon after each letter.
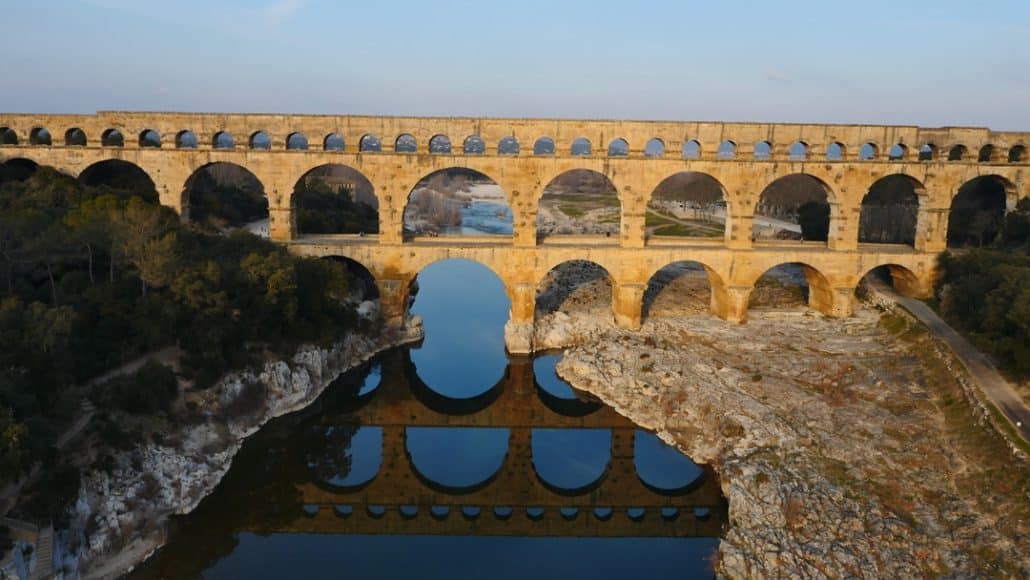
x: 393, y: 300
x: 628, y: 305
x: 518, y: 331
x: 730, y: 302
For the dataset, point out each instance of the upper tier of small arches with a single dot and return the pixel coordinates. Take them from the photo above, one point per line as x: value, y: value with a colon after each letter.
x: 580, y: 138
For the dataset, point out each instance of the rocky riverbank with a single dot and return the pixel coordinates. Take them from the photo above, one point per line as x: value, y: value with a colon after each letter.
x: 121, y: 513
x: 843, y: 449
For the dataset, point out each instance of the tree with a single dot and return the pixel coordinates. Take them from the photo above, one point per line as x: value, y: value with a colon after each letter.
x: 12, y: 445
x: 91, y: 225
x: 140, y: 225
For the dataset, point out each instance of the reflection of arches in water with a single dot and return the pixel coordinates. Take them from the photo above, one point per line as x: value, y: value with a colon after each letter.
x: 456, y: 460
x: 349, y: 459
x: 571, y: 461
x: 556, y: 394
x: 662, y: 468
x: 445, y: 405
x: 353, y: 389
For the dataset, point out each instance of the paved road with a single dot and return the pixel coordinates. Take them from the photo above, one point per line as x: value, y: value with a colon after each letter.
x: 982, y: 370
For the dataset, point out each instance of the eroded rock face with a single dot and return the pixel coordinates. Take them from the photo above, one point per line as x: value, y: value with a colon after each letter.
x: 833, y: 457
x: 154, y: 481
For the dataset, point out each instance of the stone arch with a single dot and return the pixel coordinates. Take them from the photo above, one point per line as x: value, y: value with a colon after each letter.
x: 347, y: 457
x: 798, y: 151
x: 149, y: 138
x: 508, y: 145
x: 727, y: 150
x: 682, y: 287
x: 763, y: 151
x: 296, y: 141
x: 457, y: 201
x: 794, y: 207
x: 836, y: 151
x: 687, y: 204
x: 17, y: 169
x: 440, y: 145
x: 654, y: 147
x: 474, y: 145
x: 112, y: 138
x: 790, y: 283
x: 987, y: 154
x: 432, y: 451
x: 619, y: 147
x: 898, y: 152
x: 691, y: 149
x: 957, y: 152
x: 259, y: 140
x: 890, y: 209
x: 334, y: 199
x: 868, y: 151
x: 364, y: 281
x: 75, y: 137
x: 8, y: 136
x: 579, y: 201
x: 544, y: 146
x: 333, y: 142
x: 900, y: 277
x: 978, y: 209
x: 580, y: 146
x: 553, y: 449
x: 928, y: 152
x: 661, y: 468
x: 224, y: 195
x: 574, y: 285
x: 223, y: 140
x: 40, y: 136
x: 186, y: 139
x: 1017, y: 154
x: 405, y: 143
x: 121, y: 175
x: 370, y: 143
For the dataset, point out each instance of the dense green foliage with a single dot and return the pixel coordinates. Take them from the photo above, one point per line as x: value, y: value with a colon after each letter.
x: 92, y: 276
x: 986, y: 292
x: 323, y: 210
x: 228, y: 202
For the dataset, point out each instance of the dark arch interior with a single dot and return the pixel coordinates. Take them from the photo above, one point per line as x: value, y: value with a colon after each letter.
x: 405, y: 144
x: 335, y: 199
x: 1017, y: 154
x: 186, y: 140
x: 333, y: 142
x: 120, y: 175
x: 75, y: 137
x: 297, y: 141
x: 457, y: 201
x: 508, y: 146
x: 361, y: 283
x: 679, y: 289
x: 260, y: 140
x: 977, y: 212
x: 223, y: 140
x: 899, y: 278
x: 986, y: 154
x: 112, y: 138
x: 957, y: 152
x: 17, y: 169
x: 370, y: 143
x: 225, y: 196
x: 889, y: 211
x: 794, y: 207
x: 474, y: 145
x: 8, y: 136
x: 40, y: 136
x: 543, y: 146
x: 574, y: 286
x: 580, y: 201
x: 688, y: 204
x: 440, y: 144
x: 149, y: 138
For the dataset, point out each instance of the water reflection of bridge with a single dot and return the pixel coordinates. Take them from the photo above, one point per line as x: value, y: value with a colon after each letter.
x: 516, y: 499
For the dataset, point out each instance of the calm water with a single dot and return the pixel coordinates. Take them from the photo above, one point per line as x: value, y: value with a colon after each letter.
x: 450, y: 460
x: 483, y: 217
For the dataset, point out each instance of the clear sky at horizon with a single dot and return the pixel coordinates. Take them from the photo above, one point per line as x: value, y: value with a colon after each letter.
x: 926, y: 62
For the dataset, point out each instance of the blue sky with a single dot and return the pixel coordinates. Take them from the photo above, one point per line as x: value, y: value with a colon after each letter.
x: 928, y: 62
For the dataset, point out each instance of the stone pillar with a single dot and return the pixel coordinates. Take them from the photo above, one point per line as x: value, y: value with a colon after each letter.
x: 280, y: 223
x: 738, y: 232
x: 833, y: 301
x: 518, y: 331
x: 393, y: 300
x: 628, y: 305
x: 843, y: 233
x: 524, y: 226
x: 932, y: 229
x: 632, y: 230
x: 391, y: 218
x: 730, y: 302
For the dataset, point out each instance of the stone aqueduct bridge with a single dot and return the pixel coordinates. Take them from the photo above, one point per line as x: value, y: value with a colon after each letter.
x: 170, y: 147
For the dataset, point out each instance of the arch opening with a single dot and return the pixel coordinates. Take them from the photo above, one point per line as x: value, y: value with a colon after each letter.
x: 835, y: 152
x: 508, y: 146
x: 474, y: 145
x: 405, y: 143
x: 571, y: 461
x: 544, y: 146
x: 224, y: 196
x: 17, y: 169
x: 40, y: 136
x: 986, y: 154
x: 555, y: 393
x: 957, y: 153
x: 787, y: 286
x: 122, y: 176
x: 727, y: 150
x: 456, y: 459
x: 370, y: 144
x: 763, y: 151
x: 619, y: 147
x: 149, y: 138
x: 186, y: 140
x: 895, y: 276
x: 1017, y: 154
x: 794, y: 207
x: 580, y: 202
x: 575, y: 287
x: 75, y: 137
x: 897, y: 153
x: 928, y: 152
x: 457, y: 202
x: 978, y: 211
x: 112, y: 138
x: 8, y: 136
x: 688, y: 204
x: 654, y: 147
x: 798, y: 151
x: 868, y: 152
x: 260, y: 140
x: 296, y: 142
x: 223, y: 140
x: 661, y: 467
x: 682, y: 288
x: 692, y: 149
x: 440, y: 145
x: 333, y: 142
x: 345, y: 457
x: 889, y: 211
x: 581, y: 146
x: 335, y: 199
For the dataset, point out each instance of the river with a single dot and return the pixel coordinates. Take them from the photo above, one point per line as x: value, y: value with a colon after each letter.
x: 451, y: 459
